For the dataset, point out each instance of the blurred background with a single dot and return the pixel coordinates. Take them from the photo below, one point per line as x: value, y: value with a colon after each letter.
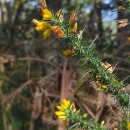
x: 34, y: 74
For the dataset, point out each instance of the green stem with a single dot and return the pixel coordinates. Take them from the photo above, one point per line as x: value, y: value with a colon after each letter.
x: 88, y: 55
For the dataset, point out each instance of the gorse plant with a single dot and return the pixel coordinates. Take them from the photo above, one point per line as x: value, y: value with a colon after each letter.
x: 74, y: 45
x: 68, y: 113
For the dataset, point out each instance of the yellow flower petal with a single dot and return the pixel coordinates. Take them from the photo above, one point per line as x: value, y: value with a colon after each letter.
x: 97, y: 76
x: 60, y: 108
x: 114, y: 80
x: 47, y: 15
x: 102, y: 123
x: 46, y: 33
x: 98, y: 89
x: 39, y: 26
x: 75, y: 26
x: 62, y: 117
x: 42, y: 26
x: 46, y: 11
x: 121, y: 8
x: 68, y: 53
x: 60, y: 113
x: 84, y: 115
x: 74, y: 110
x: 64, y: 121
x: 104, y: 86
x: 66, y: 103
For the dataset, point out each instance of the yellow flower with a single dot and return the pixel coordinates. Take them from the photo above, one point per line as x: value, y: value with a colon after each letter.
x: 84, y: 115
x: 46, y: 33
x: 47, y: 15
x: 97, y: 77
x: 102, y: 123
x: 121, y: 8
x: 128, y: 126
x: 114, y: 81
x: 60, y: 113
x: 66, y: 104
x: 42, y: 26
x: 62, y: 110
x: 103, y: 86
x: 75, y: 26
x: 68, y: 53
x: 100, y: 86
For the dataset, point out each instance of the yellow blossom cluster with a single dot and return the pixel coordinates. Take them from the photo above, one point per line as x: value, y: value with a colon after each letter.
x: 63, y: 110
x: 45, y: 25
x: 100, y: 86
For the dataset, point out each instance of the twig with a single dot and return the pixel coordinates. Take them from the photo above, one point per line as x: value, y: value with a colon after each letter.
x: 17, y: 91
x: 40, y: 60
